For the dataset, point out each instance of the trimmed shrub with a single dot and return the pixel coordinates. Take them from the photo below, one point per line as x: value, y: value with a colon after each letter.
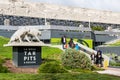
x: 74, y: 59
x: 51, y: 67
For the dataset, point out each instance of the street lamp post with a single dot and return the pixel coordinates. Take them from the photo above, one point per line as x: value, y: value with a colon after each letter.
x: 45, y: 11
x: 45, y: 19
x: 89, y: 21
x: 45, y: 16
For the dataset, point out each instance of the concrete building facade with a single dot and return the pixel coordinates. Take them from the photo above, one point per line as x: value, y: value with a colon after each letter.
x: 29, y: 13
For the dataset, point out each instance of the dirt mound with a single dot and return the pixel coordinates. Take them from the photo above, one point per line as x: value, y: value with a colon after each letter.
x: 12, y: 68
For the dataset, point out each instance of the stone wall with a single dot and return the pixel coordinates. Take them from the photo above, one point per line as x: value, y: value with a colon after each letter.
x: 24, y: 20
x: 21, y: 20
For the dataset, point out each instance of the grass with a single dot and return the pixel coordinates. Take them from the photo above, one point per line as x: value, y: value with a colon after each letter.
x: 5, y: 51
x: 58, y: 76
x: 49, y: 54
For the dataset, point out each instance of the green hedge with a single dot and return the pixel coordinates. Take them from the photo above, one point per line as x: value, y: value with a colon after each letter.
x: 51, y: 67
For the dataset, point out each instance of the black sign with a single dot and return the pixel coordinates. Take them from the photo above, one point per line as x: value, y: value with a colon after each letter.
x: 26, y: 56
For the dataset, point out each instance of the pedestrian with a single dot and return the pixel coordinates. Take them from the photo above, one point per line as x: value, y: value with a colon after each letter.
x: 71, y: 43
x: 93, y: 57
x: 63, y: 41
x: 99, y: 58
x: 77, y: 47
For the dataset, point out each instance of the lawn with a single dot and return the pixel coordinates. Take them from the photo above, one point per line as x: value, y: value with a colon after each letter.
x: 57, y: 76
x: 5, y: 51
x: 48, y: 53
x: 51, y: 53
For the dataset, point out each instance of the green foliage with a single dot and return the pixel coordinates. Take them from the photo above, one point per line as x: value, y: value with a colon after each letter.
x: 97, y: 28
x: 51, y: 67
x: 2, y: 68
x: 114, y: 63
x: 74, y: 59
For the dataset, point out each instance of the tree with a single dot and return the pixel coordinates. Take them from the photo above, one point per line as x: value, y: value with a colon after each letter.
x: 97, y: 28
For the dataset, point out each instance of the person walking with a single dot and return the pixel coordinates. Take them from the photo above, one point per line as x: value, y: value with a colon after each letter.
x: 77, y: 47
x: 71, y: 43
x: 99, y: 58
x: 93, y: 58
x: 63, y: 41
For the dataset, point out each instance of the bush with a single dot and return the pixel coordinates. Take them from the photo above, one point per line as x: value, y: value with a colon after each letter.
x: 74, y: 59
x: 51, y: 67
x: 2, y: 68
x: 114, y: 59
x: 114, y: 63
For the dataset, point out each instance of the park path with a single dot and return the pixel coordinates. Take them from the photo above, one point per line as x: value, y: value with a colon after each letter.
x: 111, y: 71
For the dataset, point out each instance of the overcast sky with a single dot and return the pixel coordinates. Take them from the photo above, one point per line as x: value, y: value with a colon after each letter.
x: 109, y: 5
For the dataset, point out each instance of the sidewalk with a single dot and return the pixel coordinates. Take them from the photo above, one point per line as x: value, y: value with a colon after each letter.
x: 111, y: 71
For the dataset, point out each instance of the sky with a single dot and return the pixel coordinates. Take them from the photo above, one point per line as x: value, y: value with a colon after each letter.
x: 109, y: 5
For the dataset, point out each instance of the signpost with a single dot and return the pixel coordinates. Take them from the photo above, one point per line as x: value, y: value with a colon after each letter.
x: 27, y: 54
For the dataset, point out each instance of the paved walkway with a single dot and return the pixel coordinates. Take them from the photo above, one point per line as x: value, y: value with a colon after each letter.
x: 111, y: 71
